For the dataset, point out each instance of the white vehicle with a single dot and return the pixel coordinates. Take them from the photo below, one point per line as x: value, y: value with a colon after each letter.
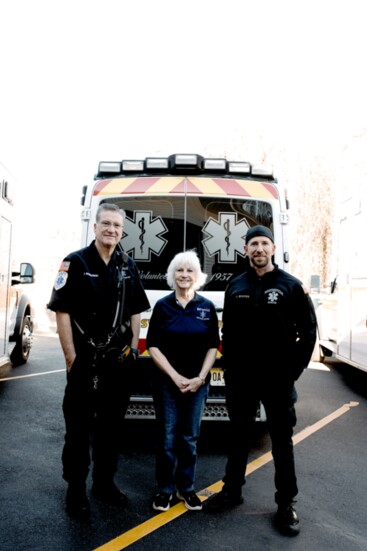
x: 16, y: 323
x: 342, y: 312
x: 185, y: 202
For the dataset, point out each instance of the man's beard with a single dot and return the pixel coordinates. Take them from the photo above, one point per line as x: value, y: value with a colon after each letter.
x: 260, y: 261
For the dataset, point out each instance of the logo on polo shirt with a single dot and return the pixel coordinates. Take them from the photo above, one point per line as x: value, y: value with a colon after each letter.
x: 203, y: 314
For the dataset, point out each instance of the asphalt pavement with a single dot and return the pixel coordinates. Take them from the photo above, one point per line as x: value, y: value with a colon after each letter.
x: 331, y: 459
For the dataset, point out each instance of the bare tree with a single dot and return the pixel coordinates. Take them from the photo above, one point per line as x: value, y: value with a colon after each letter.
x: 312, y: 222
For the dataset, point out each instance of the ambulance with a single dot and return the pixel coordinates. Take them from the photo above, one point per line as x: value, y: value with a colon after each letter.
x: 342, y: 309
x: 181, y: 202
x: 16, y: 321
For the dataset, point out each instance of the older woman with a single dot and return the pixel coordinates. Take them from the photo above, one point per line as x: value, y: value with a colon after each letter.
x: 183, y: 338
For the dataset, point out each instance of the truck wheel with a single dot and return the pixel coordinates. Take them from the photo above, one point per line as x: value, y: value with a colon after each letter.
x: 23, y: 345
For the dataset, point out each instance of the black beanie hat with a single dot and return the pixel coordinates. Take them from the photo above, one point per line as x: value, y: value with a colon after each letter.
x: 259, y: 230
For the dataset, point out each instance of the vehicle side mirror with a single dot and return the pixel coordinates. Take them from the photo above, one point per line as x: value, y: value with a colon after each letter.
x: 27, y: 273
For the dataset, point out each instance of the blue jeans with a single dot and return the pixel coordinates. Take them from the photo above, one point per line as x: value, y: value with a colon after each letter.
x: 178, y: 422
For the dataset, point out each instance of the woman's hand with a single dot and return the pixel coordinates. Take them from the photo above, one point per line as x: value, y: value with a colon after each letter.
x: 180, y: 381
x: 192, y: 385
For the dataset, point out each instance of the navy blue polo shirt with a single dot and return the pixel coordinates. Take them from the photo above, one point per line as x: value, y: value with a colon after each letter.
x: 184, y: 335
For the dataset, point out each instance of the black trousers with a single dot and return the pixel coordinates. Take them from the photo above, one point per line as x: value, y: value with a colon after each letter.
x: 95, y: 402
x: 243, y: 397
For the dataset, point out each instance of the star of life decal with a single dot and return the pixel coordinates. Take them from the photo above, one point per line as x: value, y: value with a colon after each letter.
x: 226, y: 237
x: 273, y: 297
x: 143, y: 236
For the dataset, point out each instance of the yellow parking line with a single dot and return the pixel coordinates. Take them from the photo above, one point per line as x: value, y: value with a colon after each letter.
x: 305, y: 433
x: 133, y: 535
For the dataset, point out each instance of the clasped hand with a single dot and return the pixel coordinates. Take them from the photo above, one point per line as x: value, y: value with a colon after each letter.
x: 188, y: 385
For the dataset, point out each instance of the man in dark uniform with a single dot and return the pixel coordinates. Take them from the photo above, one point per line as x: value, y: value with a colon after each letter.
x: 268, y: 311
x: 98, y: 298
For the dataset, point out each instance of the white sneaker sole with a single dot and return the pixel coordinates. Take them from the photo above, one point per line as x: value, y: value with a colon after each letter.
x: 197, y: 508
x: 160, y: 508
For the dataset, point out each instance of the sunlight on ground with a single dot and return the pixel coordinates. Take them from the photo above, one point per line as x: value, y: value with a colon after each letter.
x: 318, y: 365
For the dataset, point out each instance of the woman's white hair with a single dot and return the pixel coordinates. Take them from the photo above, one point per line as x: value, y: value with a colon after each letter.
x: 187, y: 259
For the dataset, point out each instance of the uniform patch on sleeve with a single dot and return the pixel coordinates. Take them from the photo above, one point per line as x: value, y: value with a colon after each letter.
x: 64, y: 266
x: 60, y: 280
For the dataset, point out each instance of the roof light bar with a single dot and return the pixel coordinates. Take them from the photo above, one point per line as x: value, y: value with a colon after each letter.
x: 186, y: 161
x: 239, y: 168
x: 156, y: 163
x: 215, y: 164
x: 133, y: 166
x: 262, y: 170
x: 179, y: 163
x: 106, y: 167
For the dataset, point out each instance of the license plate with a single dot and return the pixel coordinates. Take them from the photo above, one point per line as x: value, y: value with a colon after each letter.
x: 217, y: 376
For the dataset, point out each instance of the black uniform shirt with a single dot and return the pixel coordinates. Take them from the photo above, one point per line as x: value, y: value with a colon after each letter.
x: 269, y: 324
x: 88, y: 289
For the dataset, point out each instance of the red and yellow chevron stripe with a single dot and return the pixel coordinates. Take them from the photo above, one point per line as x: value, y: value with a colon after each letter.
x: 170, y: 184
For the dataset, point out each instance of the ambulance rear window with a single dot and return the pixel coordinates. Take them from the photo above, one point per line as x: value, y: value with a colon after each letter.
x: 158, y: 227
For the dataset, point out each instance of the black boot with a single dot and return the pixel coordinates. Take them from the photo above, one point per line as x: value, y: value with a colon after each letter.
x: 286, y: 520
x: 109, y: 493
x: 77, y: 504
x: 224, y: 500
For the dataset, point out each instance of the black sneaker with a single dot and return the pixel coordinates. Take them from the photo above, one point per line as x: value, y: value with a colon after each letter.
x: 77, y: 504
x: 162, y: 501
x: 191, y: 500
x: 286, y: 520
x: 223, y: 501
x: 110, y: 495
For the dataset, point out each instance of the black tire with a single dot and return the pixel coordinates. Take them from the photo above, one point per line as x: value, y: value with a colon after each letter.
x: 23, y: 344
